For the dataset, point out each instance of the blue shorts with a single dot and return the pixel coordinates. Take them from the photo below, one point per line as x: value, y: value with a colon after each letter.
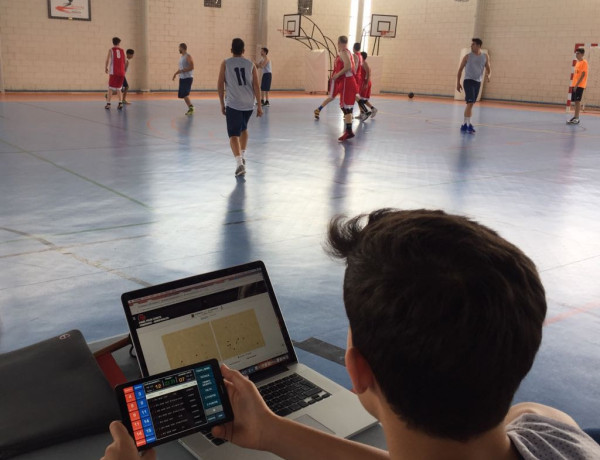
x: 237, y: 121
x: 185, y: 86
x: 577, y: 94
x: 471, y: 90
x: 265, y: 84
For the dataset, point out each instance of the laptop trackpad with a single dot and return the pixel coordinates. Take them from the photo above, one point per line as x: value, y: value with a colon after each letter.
x: 309, y: 421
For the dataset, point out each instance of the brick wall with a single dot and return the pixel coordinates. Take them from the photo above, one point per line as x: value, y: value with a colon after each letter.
x: 39, y: 53
x: 424, y: 56
x: 530, y: 43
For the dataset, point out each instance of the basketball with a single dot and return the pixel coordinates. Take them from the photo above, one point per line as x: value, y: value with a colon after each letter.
x: 411, y: 95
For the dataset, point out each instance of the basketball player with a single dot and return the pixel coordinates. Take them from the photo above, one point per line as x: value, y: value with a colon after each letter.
x: 343, y: 82
x: 267, y: 76
x: 129, y: 54
x: 579, y: 83
x: 186, y: 77
x: 473, y: 63
x: 115, y: 68
x: 358, y: 62
x: 239, y: 76
x: 364, y: 90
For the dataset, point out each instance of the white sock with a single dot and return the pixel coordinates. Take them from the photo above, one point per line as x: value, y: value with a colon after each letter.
x: 238, y: 159
x: 243, y: 154
x: 467, y: 120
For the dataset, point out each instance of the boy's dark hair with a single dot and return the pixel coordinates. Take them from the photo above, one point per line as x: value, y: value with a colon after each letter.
x: 183, y: 45
x: 130, y: 51
x: 580, y: 50
x: 477, y: 40
x: 237, y: 46
x: 356, y: 47
x: 116, y: 41
x: 364, y: 55
x: 266, y: 50
x: 447, y: 313
x: 343, y: 39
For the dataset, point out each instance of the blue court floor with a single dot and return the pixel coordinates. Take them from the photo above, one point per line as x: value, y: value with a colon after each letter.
x: 95, y: 203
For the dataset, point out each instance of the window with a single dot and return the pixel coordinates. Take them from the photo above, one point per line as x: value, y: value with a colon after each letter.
x: 212, y: 3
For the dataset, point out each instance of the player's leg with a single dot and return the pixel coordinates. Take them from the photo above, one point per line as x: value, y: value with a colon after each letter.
x: 244, y: 135
x: 108, y: 97
x: 234, y: 119
x: 120, y: 98
x: 347, y: 99
x: 333, y: 92
x: 576, y: 97
x: 125, y: 89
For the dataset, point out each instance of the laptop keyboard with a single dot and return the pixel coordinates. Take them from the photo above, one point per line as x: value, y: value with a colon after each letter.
x: 291, y: 394
x: 283, y: 397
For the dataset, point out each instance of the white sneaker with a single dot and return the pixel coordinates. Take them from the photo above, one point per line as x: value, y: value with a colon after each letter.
x: 240, y: 170
x: 373, y: 112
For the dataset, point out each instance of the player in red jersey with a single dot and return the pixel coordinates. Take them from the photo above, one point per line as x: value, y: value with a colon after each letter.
x: 364, y: 91
x: 359, y: 74
x: 343, y: 82
x: 115, y: 68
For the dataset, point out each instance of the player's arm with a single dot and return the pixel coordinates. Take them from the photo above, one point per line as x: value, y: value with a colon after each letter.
x: 488, y: 68
x: 581, y: 77
x: 539, y: 409
x: 221, y: 87
x: 256, y: 89
x: 463, y: 63
x: 107, y: 61
x: 126, y: 65
x: 260, y: 63
x: 256, y: 427
x: 190, y: 64
x: 367, y: 70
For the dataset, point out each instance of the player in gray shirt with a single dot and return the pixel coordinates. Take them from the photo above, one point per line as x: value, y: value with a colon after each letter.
x: 473, y: 63
x: 240, y: 77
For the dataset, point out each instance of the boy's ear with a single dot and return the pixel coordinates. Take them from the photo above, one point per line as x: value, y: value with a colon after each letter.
x: 359, y: 370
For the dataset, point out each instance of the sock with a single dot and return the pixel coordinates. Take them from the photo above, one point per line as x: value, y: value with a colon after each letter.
x: 349, y: 127
x: 243, y: 154
x: 320, y: 107
x: 238, y: 159
x: 467, y: 120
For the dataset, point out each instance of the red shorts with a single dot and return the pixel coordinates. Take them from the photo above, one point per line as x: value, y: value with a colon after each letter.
x: 116, y: 81
x: 347, y: 90
x: 365, y: 90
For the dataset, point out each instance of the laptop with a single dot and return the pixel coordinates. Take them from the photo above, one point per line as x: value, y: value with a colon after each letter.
x: 233, y: 315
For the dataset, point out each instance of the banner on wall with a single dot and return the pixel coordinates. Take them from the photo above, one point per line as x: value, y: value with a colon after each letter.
x: 70, y: 9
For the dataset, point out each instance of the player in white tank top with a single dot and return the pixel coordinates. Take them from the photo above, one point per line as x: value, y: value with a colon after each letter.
x: 240, y: 77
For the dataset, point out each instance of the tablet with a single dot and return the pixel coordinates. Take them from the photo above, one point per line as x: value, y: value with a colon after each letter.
x: 173, y: 404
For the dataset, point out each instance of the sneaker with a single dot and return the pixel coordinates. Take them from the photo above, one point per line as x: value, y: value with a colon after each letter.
x: 266, y: 103
x: 190, y: 110
x: 363, y: 116
x: 373, y: 112
x: 317, y: 113
x: 347, y: 135
x: 240, y: 170
x: 262, y: 102
x: 573, y: 121
x: 107, y: 106
x: 120, y: 106
x: 463, y: 128
x: 470, y: 129
x: 359, y: 116
x: 244, y: 161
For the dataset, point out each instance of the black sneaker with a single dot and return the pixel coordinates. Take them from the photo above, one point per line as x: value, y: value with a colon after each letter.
x: 107, y: 106
x: 120, y: 106
x: 266, y: 103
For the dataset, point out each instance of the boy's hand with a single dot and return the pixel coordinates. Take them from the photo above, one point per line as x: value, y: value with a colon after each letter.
x: 123, y: 445
x: 252, y: 416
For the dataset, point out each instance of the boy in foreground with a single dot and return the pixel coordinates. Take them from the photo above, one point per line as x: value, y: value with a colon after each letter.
x: 445, y: 321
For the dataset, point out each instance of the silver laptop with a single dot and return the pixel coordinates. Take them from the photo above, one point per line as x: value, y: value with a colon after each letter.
x: 232, y: 315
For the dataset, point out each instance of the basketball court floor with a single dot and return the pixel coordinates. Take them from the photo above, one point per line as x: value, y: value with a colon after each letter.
x: 94, y: 203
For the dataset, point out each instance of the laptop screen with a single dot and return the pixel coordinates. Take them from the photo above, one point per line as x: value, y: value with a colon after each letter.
x: 231, y: 315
